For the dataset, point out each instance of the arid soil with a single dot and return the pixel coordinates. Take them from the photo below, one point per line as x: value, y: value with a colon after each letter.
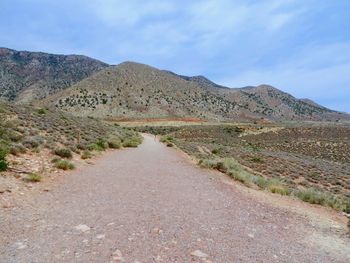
x: 151, y: 204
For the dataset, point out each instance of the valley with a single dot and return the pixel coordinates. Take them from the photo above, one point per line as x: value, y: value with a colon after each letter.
x: 129, y: 162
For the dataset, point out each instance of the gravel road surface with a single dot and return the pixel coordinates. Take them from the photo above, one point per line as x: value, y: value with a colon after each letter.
x: 151, y: 204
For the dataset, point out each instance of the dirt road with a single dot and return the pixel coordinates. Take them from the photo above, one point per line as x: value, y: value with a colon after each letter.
x: 151, y: 204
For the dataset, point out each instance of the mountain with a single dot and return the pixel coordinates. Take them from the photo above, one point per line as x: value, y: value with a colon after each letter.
x: 133, y: 90
x: 26, y: 76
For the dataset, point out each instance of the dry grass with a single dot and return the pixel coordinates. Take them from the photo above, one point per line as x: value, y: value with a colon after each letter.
x: 34, y: 177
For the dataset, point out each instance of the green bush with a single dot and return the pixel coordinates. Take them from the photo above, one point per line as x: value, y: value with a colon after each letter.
x: 64, y: 153
x: 278, y: 189
x: 102, y: 144
x: 33, y: 177
x: 3, y: 162
x: 86, y: 155
x: 167, y: 138
x: 55, y: 160
x: 114, y: 144
x: 216, y: 151
x: 314, y: 196
x: 257, y: 160
x: 208, y: 163
x: 132, y: 142
x: 95, y: 147
x: 41, y: 111
x: 64, y: 165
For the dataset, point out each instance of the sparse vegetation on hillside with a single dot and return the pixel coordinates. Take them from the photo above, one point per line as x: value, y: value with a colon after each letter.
x: 44, y: 74
x: 28, y: 130
x: 153, y: 93
x: 308, y: 162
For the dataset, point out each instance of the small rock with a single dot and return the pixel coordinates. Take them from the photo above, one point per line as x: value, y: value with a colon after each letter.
x: 82, y: 228
x: 118, y: 256
x: 199, y: 254
x: 158, y: 258
x: 251, y: 235
x: 20, y: 245
x: 100, y: 236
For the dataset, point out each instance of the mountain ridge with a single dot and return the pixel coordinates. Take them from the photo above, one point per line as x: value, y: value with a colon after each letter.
x: 137, y: 90
x: 26, y: 76
x: 86, y: 86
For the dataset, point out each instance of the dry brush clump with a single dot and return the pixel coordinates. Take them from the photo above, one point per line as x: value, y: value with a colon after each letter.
x: 64, y: 153
x: 64, y: 165
x: 3, y: 161
x: 34, y: 177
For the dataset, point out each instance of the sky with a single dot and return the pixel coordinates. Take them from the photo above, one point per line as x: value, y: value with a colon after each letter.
x: 299, y: 46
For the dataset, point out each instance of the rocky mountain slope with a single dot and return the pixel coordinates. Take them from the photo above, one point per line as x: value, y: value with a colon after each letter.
x: 132, y: 90
x: 26, y: 76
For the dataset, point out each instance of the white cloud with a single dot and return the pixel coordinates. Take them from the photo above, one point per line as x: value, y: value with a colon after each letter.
x: 320, y: 73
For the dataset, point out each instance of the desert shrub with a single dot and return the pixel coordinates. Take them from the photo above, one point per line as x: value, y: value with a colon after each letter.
x: 114, y: 144
x: 50, y: 144
x: 81, y: 146
x: 216, y: 151
x: 64, y: 153
x: 133, y: 141
x: 33, y: 177
x: 16, y: 149
x: 167, y: 138
x: 257, y: 160
x: 86, y: 155
x: 64, y: 165
x: 3, y: 162
x: 74, y: 149
x: 314, y: 196
x: 41, y: 111
x: 95, y: 147
x: 208, y: 163
x: 15, y: 136
x: 102, y: 144
x: 33, y: 141
x: 279, y: 189
x: 55, y: 160
x: 347, y: 206
x: 244, y: 178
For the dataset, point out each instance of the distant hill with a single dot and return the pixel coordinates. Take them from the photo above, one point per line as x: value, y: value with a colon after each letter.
x: 133, y: 90
x: 26, y: 76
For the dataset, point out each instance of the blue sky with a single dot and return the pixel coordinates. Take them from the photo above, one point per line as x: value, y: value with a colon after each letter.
x: 299, y: 46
